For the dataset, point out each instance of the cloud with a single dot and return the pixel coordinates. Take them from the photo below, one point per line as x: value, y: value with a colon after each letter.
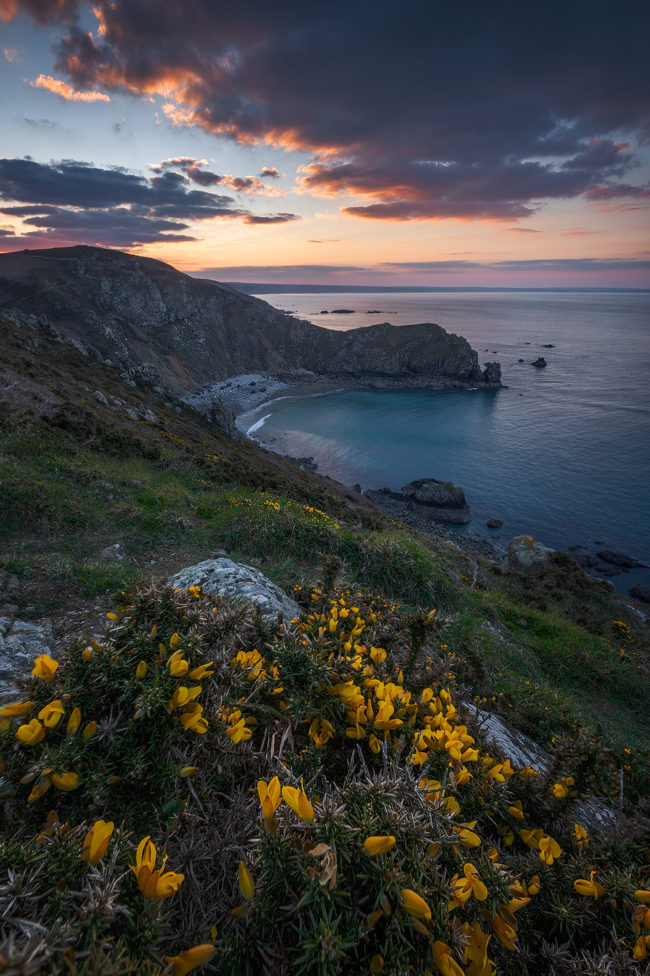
x: 89, y: 204
x: 40, y: 123
x: 473, y: 111
x: 11, y: 54
x: 279, y: 218
x: 270, y: 172
x: 67, y: 92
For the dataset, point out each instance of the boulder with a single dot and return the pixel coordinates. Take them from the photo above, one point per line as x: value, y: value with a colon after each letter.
x: 440, y: 500
x: 114, y: 554
x: 494, y: 523
x: 20, y: 643
x: 540, y: 362
x: 620, y: 559
x: 223, y: 577
x: 526, y: 555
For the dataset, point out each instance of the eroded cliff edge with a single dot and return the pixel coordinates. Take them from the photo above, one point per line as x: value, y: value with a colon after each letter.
x: 135, y: 311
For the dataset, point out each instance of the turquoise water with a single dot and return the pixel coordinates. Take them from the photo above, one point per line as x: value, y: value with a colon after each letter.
x: 563, y: 453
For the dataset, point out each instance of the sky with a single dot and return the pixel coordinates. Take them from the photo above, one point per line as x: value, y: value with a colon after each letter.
x: 355, y: 142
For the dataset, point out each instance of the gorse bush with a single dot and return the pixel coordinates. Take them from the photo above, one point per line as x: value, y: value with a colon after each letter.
x: 324, y: 804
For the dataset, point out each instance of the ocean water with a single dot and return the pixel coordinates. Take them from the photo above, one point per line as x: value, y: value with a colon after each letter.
x: 563, y: 453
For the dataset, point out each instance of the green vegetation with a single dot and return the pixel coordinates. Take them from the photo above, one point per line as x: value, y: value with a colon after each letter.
x: 323, y: 805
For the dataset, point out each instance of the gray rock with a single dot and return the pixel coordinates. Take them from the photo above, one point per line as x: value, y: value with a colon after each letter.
x: 227, y: 578
x: 99, y: 396
x: 492, y: 374
x: 440, y: 500
x: 494, y: 523
x: 526, y: 555
x: 540, y: 362
x: 20, y: 643
x: 115, y: 553
x: 515, y: 746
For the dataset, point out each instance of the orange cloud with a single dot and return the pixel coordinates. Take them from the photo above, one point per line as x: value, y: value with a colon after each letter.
x: 8, y: 9
x: 63, y: 90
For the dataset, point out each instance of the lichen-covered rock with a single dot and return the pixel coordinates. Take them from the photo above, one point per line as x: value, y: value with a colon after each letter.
x: 526, y: 555
x: 224, y: 577
x: 20, y: 643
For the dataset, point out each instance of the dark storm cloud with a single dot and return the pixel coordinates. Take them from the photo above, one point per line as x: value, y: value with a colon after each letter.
x: 519, y: 103
x: 279, y: 218
x: 76, y: 201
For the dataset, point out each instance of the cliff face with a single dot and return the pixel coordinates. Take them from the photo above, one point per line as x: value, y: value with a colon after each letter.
x: 135, y: 310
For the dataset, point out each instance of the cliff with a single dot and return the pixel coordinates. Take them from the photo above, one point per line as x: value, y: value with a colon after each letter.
x: 134, y: 311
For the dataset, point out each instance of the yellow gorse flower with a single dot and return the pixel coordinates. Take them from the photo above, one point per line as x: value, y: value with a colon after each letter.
x: 31, y: 733
x: 549, y: 849
x: 96, y: 841
x: 414, y: 904
x: 193, y: 720
x: 270, y: 795
x: 591, y: 888
x: 141, y: 669
x: 446, y: 965
x: 50, y: 715
x: 246, y: 883
x: 154, y: 884
x: 16, y: 709
x: 73, y: 722
x: 177, y: 664
x: 298, y: 802
x: 44, y: 667
x: 90, y: 730
x: 188, y: 960
x: 379, y: 845
x: 65, y: 781
x: 471, y: 884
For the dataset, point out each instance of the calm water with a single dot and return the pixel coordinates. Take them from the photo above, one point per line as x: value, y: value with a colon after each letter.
x: 563, y: 453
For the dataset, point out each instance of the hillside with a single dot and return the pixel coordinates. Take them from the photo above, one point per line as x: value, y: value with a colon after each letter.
x: 189, y: 332
x: 398, y: 836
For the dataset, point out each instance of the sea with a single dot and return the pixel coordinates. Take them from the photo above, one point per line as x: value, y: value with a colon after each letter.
x: 561, y: 453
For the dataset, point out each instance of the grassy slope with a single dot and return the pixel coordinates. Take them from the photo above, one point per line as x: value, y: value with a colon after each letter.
x: 77, y: 476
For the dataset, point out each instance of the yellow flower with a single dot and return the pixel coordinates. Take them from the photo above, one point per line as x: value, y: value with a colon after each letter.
x: 414, y: 904
x: 111, y: 616
x: 379, y: 845
x: 516, y: 810
x: 90, y: 730
x: 549, y: 849
x: 203, y: 671
x: 377, y: 963
x: 96, y: 841
x: 471, y: 884
x: 183, y: 696
x: 188, y: 771
x: 186, y: 961
x: 141, y: 669
x: 580, y: 835
x: 591, y: 888
x: 44, y: 667
x: 446, y: 965
x: 31, y: 733
x: 642, y: 896
x: 51, y: 714
x: 65, y: 781
x: 193, y: 720
x: 177, y: 664
x: 270, y: 795
x: 174, y: 641
x: 16, y: 709
x: 74, y: 721
x: 298, y: 802
x: 467, y: 837
x: 534, y: 886
x: 42, y: 786
x: 153, y: 884
x: 246, y: 884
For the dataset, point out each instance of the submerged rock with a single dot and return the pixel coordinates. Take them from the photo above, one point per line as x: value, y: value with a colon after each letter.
x: 440, y: 500
x: 494, y: 523
x: 224, y: 577
x: 526, y: 555
x: 620, y: 559
x: 540, y: 362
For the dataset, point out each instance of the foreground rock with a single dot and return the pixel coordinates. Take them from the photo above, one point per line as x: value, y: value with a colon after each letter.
x: 20, y: 643
x: 640, y: 592
x: 526, y: 555
x: 440, y: 500
x: 223, y: 577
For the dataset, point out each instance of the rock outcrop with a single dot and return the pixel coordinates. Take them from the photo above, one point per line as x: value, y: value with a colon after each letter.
x: 440, y: 500
x: 223, y: 577
x: 20, y: 643
x: 164, y: 328
x: 526, y: 555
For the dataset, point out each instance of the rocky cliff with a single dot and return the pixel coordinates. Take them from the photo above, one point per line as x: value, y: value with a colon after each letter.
x: 142, y: 314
